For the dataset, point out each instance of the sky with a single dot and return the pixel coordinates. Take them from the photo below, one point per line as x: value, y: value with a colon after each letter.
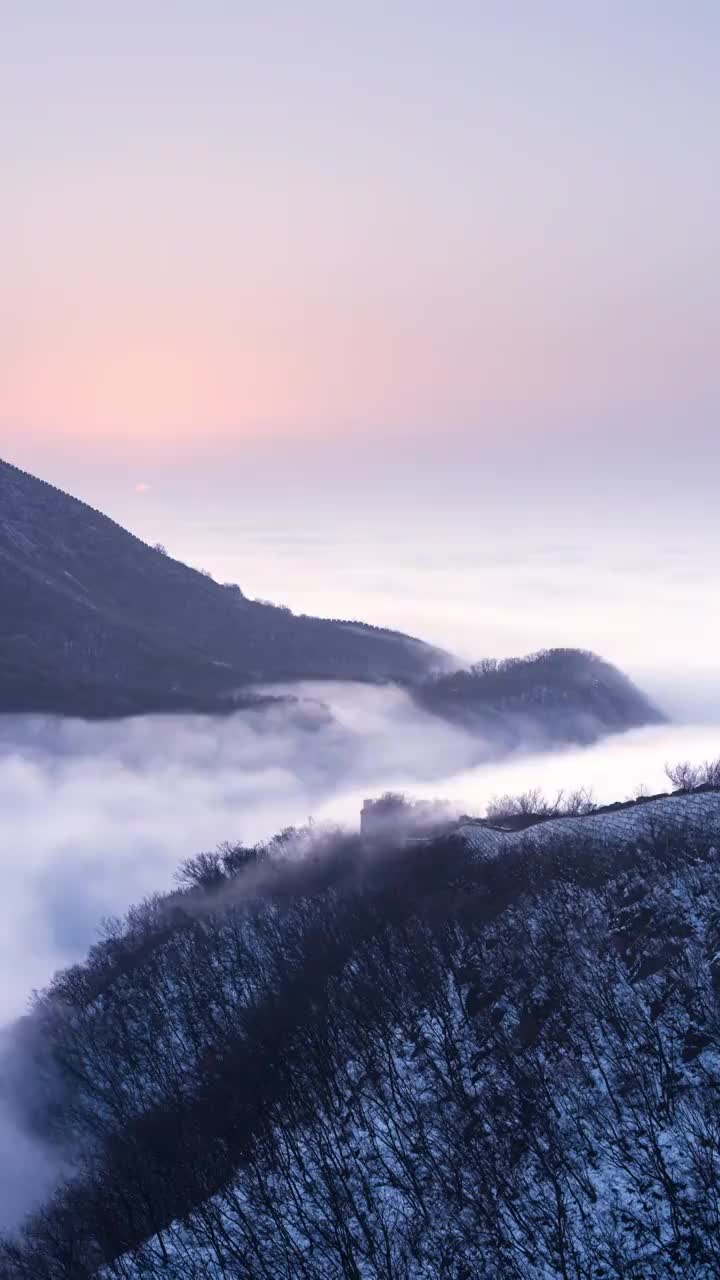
x: 227, y: 224
x: 403, y: 310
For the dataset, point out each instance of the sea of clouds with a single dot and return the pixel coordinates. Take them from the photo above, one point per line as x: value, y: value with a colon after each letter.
x: 95, y: 816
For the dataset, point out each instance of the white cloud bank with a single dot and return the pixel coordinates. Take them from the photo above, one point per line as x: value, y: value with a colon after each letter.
x: 95, y: 816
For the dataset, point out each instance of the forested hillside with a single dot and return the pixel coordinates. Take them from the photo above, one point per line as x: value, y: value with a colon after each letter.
x: 561, y: 695
x: 95, y: 622
x: 328, y: 1058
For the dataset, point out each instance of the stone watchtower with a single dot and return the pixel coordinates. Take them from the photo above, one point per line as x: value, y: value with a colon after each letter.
x: 382, y: 816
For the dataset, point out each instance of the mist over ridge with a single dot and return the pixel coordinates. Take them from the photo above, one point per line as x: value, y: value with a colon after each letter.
x: 97, y: 815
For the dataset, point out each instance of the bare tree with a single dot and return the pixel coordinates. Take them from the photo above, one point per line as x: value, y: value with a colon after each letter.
x: 685, y: 776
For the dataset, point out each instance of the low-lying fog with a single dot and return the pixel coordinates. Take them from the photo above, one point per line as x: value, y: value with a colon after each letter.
x: 95, y: 816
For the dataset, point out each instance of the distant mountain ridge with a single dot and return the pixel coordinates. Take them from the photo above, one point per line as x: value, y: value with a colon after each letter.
x: 95, y: 622
x: 557, y: 695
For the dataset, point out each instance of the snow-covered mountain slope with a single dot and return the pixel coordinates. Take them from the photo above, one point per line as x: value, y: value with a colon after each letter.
x: 675, y: 816
x: 400, y: 1063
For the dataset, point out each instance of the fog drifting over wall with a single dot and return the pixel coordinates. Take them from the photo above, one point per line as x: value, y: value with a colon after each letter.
x: 95, y: 816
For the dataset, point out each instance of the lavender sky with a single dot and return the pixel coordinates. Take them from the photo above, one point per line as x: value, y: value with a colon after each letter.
x: 403, y: 309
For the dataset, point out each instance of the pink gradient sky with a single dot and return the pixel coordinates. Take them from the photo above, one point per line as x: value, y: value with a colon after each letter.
x: 229, y: 223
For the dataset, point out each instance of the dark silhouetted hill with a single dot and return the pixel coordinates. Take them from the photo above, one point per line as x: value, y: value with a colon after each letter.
x: 558, y: 695
x: 95, y: 622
